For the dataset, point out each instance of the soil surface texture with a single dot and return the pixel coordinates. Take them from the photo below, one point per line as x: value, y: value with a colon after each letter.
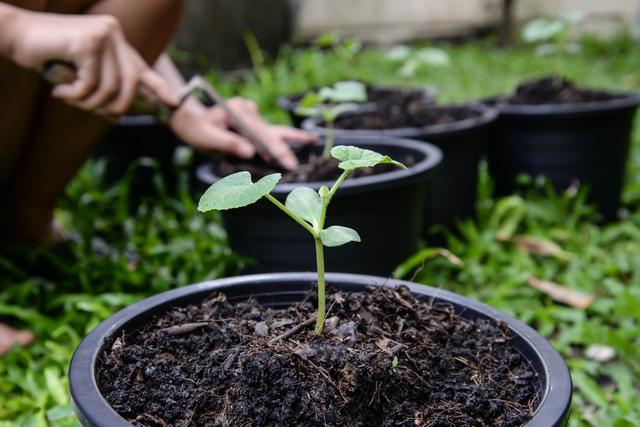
x: 407, y: 114
x: 554, y: 90
x: 384, y: 359
x: 313, y: 167
x: 382, y: 95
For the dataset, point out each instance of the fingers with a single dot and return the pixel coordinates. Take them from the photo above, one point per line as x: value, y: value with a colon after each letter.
x: 217, y: 139
x: 87, y: 76
x: 159, y: 87
x: 281, y: 151
x: 293, y: 134
x: 109, y: 85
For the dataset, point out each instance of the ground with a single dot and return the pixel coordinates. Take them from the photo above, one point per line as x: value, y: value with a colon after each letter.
x: 125, y: 252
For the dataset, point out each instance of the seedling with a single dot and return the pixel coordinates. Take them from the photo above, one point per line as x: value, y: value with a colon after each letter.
x: 413, y: 60
x: 553, y: 33
x: 329, y: 102
x: 304, y: 205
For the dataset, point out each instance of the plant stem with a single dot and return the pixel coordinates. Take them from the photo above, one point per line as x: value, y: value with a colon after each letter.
x: 335, y: 186
x: 321, y: 286
x: 295, y: 217
x: 328, y: 142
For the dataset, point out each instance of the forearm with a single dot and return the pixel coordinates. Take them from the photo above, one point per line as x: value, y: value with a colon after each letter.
x: 148, y: 25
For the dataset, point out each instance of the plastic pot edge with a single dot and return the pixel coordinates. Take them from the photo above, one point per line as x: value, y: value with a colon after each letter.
x: 488, y: 114
x: 433, y: 157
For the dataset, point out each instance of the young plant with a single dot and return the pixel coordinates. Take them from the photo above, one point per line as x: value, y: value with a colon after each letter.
x: 304, y: 205
x: 329, y: 102
x: 553, y: 34
x: 413, y: 60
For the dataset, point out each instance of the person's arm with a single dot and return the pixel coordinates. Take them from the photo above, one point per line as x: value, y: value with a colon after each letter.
x: 108, y: 69
x: 209, y: 129
x: 148, y: 25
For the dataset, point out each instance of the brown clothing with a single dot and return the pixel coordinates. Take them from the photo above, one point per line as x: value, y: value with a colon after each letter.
x: 56, y: 6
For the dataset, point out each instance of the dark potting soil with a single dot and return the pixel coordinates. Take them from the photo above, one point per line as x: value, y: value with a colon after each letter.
x: 382, y: 95
x: 313, y: 167
x: 385, y: 359
x: 554, y: 90
x: 407, y: 114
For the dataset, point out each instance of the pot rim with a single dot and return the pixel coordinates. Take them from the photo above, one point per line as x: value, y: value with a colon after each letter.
x: 487, y: 115
x: 627, y: 100
x: 93, y: 410
x: 432, y: 158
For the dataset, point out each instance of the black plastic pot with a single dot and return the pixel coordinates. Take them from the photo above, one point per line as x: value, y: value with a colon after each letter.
x: 284, y: 289
x: 451, y: 194
x: 587, y: 142
x: 386, y: 210
x: 427, y: 94
x: 141, y: 141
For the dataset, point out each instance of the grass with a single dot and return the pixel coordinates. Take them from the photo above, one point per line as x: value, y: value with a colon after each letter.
x: 125, y: 251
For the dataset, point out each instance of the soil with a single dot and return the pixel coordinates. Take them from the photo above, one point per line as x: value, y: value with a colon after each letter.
x: 313, y: 167
x: 554, y: 90
x: 384, y: 359
x: 408, y: 114
x: 384, y: 95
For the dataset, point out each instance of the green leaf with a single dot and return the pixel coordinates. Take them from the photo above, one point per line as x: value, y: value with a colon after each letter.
x: 333, y: 112
x: 349, y: 91
x: 309, y: 111
x: 337, y: 235
x: 433, y: 56
x: 327, y: 40
x: 311, y: 99
x: 398, y: 53
x: 589, y: 388
x: 235, y: 191
x: 541, y: 29
x: 305, y: 203
x: 353, y: 158
x: 54, y: 385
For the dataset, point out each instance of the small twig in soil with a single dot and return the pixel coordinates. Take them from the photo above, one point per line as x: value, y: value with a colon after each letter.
x: 293, y: 330
x: 230, y: 359
x: 184, y: 328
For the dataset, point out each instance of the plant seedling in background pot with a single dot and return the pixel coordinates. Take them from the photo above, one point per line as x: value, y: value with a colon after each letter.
x: 304, y: 205
x: 329, y: 102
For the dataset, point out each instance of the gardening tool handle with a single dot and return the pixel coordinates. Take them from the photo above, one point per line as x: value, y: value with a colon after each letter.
x: 144, y: 103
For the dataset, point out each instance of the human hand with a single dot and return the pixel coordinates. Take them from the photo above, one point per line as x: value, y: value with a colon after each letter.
x: 211, y: 130
x: 108, y: 69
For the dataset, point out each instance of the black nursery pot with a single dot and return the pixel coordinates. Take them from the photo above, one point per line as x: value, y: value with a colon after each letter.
x: 585, y: 142
x: 375, y: 93
x: 285, y: 289
x: 451, y: 193
x: 134, y: 138
x: 385, y: 209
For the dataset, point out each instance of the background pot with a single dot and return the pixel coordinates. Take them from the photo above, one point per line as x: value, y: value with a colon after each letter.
x: 451, y: 193
x: 385, y: 209
x: 427, y: 94
x: 284, y: 289
x: 142, y: 141
x: 587, y: 142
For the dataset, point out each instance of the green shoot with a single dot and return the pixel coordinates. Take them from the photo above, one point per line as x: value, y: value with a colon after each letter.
x: 553, y: 33
x: 329, y: 102
x: 304, y: 205
x: 413, y: 60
